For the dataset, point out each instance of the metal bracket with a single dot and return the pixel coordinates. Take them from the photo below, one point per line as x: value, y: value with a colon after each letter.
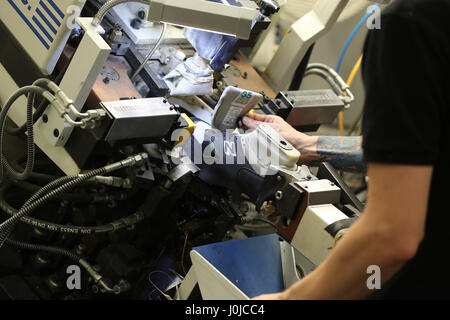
x: 77, y: 83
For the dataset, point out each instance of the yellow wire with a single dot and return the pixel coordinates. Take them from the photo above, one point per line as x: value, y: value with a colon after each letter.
x: 350, y: 80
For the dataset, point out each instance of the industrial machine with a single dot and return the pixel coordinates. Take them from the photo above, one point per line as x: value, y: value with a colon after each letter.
x: 120, y: 148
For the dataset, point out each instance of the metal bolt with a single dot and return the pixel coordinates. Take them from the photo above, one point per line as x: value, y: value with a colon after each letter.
x: 80, y: 249
x: 141, y: 14
x: 279, y: 178
x: 97, y: 268
x: 45, y: 118
x: 56, y: 133
x: 279, y: 195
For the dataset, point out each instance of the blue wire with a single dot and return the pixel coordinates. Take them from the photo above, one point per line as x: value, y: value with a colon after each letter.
x: 352, y: 35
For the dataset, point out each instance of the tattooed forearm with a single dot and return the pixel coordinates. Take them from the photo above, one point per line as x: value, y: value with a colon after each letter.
x: 344, y: 153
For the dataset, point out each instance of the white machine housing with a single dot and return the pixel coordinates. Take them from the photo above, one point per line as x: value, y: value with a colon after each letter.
x: 42, y: 27
x: 205, y: 15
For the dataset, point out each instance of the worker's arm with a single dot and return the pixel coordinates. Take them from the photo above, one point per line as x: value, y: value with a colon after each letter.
x: 388, y: 234
x: 344, y: 153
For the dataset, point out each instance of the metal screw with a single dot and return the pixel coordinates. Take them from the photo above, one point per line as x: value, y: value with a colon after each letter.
x: 45, y: 118
x: 56, y: 133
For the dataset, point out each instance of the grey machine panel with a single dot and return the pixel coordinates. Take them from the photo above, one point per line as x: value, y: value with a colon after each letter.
x: 312, y: 107
x: 139, y: 118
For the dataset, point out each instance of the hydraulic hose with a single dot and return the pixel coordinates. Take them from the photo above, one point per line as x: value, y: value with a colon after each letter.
x: 334, y: 79
x: 36, y: 115
x: 62, y: 185
x: 74, y: 197
x: 94, y: 274
x: 7, y: 226
x: 41, y: 108
x: 77, y: 197
x: 63, y: 180
x: 37, y: 176
x: 37, y: 247
x: 49, y: 187
x: 31, y: 150
x: 31, y: 91
x: 326, y: 77
x: 55, y: 227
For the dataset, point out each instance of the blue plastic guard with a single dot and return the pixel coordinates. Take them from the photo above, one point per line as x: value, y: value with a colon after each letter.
x: 253, y: 264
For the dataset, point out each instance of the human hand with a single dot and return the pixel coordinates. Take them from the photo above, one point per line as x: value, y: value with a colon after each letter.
x: 299, y: 140
x: 273, y: 296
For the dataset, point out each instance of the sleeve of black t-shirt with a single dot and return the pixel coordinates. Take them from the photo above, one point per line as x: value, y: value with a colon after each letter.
x: 402, y: 73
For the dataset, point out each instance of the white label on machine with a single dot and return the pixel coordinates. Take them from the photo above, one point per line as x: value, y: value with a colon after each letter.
x: 232, y: 116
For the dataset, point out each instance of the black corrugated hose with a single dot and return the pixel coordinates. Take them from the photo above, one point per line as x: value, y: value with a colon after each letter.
x: 39, y: 247
x: 41, y: 107
x: 31, y: 91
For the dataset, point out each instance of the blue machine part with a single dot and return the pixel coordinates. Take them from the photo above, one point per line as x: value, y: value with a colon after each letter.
x: 218, y: 48
x: 253, y: 264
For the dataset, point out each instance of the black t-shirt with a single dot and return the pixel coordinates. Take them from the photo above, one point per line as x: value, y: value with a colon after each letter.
x: 406, y: 74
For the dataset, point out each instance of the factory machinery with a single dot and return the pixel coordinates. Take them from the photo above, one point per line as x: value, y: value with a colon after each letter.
x: 120, y: 146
